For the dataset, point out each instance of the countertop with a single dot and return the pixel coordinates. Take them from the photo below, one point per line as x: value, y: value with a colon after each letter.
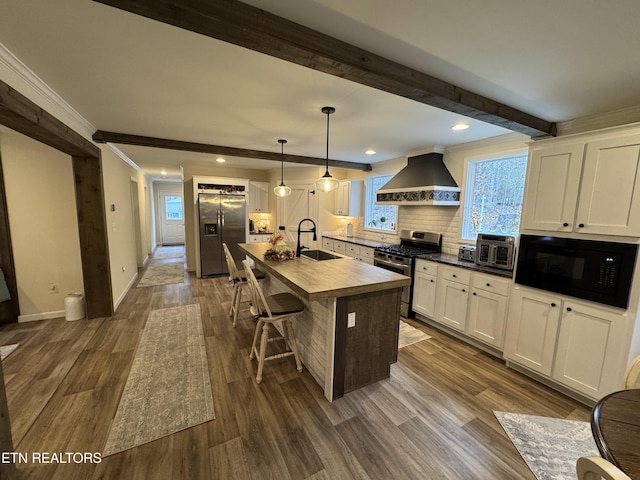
x: 315, y: 280
x: 360, y: 241
x: 445, y: 258
x: 455, y: 262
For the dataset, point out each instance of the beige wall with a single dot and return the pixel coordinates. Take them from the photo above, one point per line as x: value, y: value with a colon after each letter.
x: 120, y: 227
x: 43, y: 222
x: 44, y: 228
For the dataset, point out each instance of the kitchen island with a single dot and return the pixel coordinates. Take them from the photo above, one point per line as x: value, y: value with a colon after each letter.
x: 348, y: 333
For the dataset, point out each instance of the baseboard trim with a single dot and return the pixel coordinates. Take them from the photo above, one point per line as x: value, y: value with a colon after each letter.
x: 125, y: 292
x: 34, y: 317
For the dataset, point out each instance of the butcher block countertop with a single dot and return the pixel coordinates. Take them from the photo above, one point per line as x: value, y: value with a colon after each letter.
x: 315, y: 280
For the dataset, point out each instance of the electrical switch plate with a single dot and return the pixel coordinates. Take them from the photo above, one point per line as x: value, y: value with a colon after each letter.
x: 351, y: 319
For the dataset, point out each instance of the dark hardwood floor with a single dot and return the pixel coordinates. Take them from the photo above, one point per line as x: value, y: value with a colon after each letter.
x: 433, y: 419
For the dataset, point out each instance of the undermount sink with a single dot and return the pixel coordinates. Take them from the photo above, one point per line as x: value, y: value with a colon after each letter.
x: 319, y: 255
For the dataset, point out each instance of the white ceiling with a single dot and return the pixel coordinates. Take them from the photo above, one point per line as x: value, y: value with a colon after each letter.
x: 125, y: 73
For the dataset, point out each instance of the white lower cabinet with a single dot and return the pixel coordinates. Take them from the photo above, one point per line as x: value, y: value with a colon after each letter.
x: 532, y: 330
x: 359, y: 252
x: 470, y: 302
x: 424, y: 288
x: 488, y: 309
x: 574, y: 343
x: 452, y: 304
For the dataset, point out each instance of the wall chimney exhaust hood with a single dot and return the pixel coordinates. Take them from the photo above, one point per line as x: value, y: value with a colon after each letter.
x: 424, y: 181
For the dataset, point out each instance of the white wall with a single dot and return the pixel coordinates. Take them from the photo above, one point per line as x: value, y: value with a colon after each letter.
x: 445, y: 220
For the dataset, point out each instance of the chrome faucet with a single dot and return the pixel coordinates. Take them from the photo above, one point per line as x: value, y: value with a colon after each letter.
x: 313, y: 230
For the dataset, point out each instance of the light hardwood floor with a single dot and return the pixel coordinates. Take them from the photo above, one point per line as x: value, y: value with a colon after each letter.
x: 431, y: 420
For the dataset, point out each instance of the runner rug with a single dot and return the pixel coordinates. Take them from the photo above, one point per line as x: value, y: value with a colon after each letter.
x: 168, y: 388
x: 7, y: 350
x: 409, y: 335
x: 162, y: 274
x: 549, y: 446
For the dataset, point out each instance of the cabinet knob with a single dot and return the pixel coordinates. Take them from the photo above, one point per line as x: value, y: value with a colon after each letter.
x: 581, y: 225
x: 565, y: 224
x: 488, y: 284
x: 553, y: 304
x: 463, y: 290
x: 431, y: 280
x: 454, y: 275
x: 474, y: 293
x: 569, y: 309
x: 424, y: 268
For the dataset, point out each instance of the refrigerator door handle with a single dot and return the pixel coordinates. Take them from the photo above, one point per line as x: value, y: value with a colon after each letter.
x: 222, y: 216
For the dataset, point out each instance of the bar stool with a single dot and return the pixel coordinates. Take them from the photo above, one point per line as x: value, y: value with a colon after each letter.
x: 268, y: 310
x: 238, y: 280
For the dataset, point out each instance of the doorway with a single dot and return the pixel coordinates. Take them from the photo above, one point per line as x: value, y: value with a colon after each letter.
x: 171, y: 214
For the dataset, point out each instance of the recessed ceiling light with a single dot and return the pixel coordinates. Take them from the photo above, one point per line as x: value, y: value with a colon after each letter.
x: 220, y: 160
x: 371, y: 151
x: 460, y: 126
x: 163, y: 172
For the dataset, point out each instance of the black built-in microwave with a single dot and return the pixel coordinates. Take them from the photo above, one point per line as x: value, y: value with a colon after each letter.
x: 597, y: 271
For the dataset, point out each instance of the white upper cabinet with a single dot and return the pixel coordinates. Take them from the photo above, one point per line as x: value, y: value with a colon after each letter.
x: 552, y: 188
x: 349, y: 198
x: 585, y: 187
x: 610, y: 195
x: 258, y: 197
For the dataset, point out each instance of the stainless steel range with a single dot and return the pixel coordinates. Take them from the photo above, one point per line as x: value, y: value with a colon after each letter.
x: 401, y: 259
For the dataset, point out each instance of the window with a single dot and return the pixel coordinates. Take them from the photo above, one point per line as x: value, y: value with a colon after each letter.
x: 493, y: 198
x: 378, y: 217
x: 173, y: 207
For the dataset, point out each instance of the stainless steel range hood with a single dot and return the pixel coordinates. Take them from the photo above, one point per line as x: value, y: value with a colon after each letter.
x: 424, y: 181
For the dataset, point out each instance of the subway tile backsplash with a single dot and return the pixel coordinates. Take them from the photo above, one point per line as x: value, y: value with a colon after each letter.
x: 444, y: 220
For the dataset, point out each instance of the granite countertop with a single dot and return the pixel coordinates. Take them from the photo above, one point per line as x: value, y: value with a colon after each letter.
x: 455, y: 262
x: 255, y: 232
x: 317, y: 280
x: 360, y: 241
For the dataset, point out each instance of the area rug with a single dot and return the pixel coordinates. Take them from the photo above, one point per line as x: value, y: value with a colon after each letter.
x: 7, y: 350
x: 549, y: 446
x: 168, y: 388
x: 163, y: 274
x: 409, y: 335
x: 169, y: 252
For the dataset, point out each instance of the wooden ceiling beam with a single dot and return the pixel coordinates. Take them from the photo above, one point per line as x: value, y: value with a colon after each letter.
x: 240, y: 24
x: 124, y: 138
x: 19, y: 113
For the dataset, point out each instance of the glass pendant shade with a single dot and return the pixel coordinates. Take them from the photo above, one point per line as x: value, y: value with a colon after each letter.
x: 282, y: 190
x: 327, y: 183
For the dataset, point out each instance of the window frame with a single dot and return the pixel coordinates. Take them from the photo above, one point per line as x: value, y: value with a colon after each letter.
x: 468, y: 165
x: 369, y: 202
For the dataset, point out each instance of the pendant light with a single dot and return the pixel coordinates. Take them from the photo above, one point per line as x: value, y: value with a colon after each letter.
x: 327, y: 183
x: 282, y: 190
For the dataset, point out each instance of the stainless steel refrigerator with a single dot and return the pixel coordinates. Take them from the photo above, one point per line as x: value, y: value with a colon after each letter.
x: 223, y: 219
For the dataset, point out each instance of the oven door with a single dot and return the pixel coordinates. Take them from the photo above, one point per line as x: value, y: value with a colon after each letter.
x: 402, y: 269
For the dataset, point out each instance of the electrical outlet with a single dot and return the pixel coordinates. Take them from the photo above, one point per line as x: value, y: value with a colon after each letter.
x: 53, y: 288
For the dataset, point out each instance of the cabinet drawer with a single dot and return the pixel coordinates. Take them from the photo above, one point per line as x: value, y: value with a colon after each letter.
x: 491, y: 283
x: 339, y: 246
x: 459, y: 275
x: 352, y: 250
x: 425, y: 266
x: 327, y: 244
x: 366, y: 253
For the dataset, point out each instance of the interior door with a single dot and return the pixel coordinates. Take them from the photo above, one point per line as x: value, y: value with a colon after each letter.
x: 302, y: 203
x: 171, y: 212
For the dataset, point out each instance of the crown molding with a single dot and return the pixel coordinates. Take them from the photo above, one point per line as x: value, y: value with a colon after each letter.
x: 614, y: 118
x: 20, y: 77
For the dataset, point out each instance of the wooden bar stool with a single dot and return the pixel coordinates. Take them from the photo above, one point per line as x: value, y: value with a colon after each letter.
x: 239, y: 281
x: 268, y: 310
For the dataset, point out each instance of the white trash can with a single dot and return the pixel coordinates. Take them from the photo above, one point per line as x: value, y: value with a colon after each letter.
x: 74, y: 306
